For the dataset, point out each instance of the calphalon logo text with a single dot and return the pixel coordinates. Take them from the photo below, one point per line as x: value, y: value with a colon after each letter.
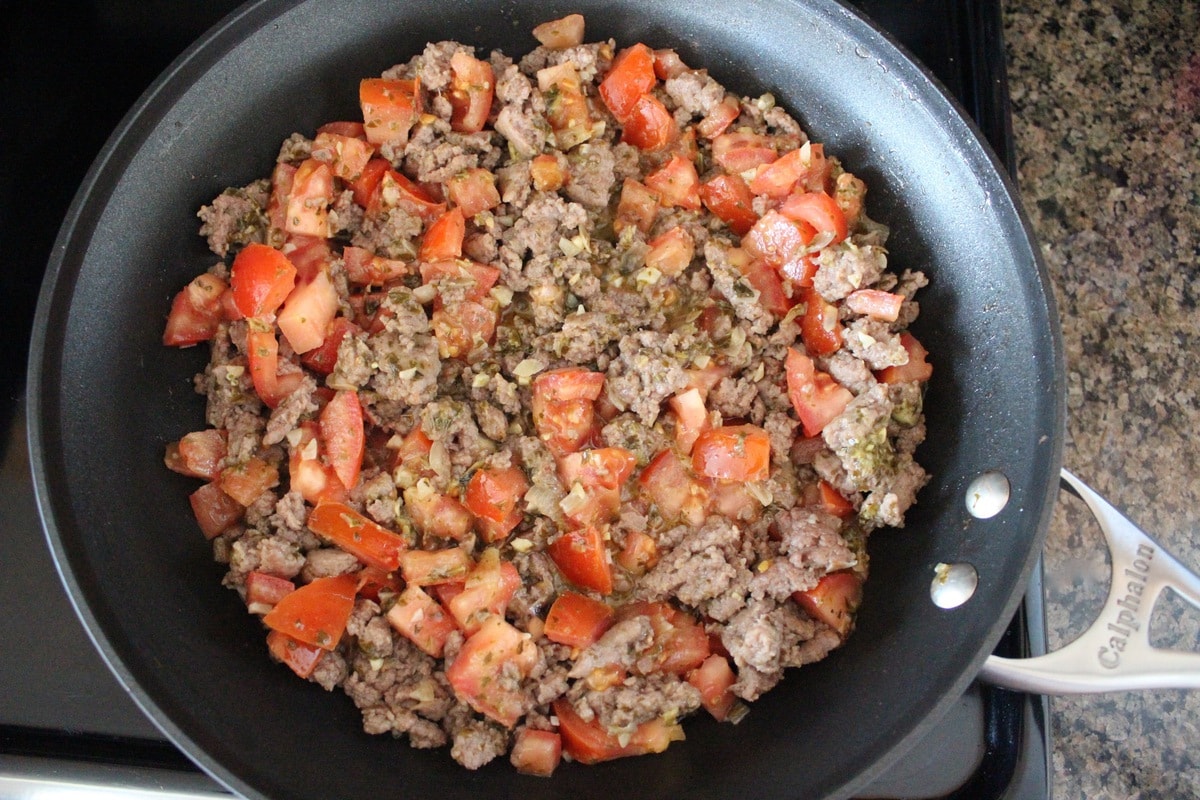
x: 1126, y: 622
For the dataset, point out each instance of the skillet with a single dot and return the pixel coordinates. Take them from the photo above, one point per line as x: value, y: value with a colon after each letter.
x: 105, y: 397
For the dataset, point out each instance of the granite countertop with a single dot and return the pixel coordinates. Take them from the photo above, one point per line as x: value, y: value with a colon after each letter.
x: 1106, y: 115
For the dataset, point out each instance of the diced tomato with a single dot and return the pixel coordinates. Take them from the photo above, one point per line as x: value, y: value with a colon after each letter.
x: 536, y: 752
x: 281, y: 188
x: 351, y: 129
x: 834, y: 600
x: 733, y: 453
x: 343, y: 436
x: 732, y: 500
x: 346, y: 155
x: 582, y: 557
x: 593, y: 479
x: 668, y: 64
x: 307, y: 312
x: 676, y: 184
x: 464, y: 330
x: 313, y: 478
x: 566, y: 107
x: 365, y: 185
x: 631, y: 76
x: 216, y: 512
x: 591, y: 743
x: 316, y: 613
x: 703, y: 380
x: 739, y: 152
x: 472, y: 85
x: 308, y: 254
x: 547, y: 172
x: 833, y: 501
x: 200, y: 454
x: 691, y: 418
x: 576, y: 620
x: 308, y: 202
x: 493, y: 496
x: 680, y: 640
x: 443, y: 240
x: 819, y: 210
x: 473, y: 191
x: 719, y: 118
x: 263, y: 354
x: 563, y: 411
x: 649, y: 125
x: 367, y: 541
x: 364, y: 268
x: 639, y: 554
x: 676, y: 494
x: 195, y: 312
x: 637, y: 207
x: 471, y: 280
x: 411, y: 457
x: 323, y: 359
x: 729, y: 198
x: 764, y: 280
x: 819, y: 327
x: 300, y: 657
x: 394, y: 190
x: 713, y: 679
x: 263, y: 591
x: 389, y: 107
x: 437, y: 514
x: 558, y: 34
x: 671, y: 252
x: 776, y: 239
x: 373, y: 582
x: 488, y: 589
x: 805, y: 166
x: 422, y: 620
x: 816, y: 397
x: 245, y: 482
x: 261, y: 279
x: 476, y: 674
x: 879, y: 305
x: 917, y: 368
x: 431, y: 567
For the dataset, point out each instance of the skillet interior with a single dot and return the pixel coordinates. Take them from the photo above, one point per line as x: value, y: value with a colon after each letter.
x: 106, y: 398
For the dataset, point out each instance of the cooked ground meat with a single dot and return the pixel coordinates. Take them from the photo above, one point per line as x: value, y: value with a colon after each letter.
x: 530, y: 379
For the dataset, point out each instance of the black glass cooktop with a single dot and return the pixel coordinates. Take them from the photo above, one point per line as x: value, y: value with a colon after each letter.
x: 68, y: 73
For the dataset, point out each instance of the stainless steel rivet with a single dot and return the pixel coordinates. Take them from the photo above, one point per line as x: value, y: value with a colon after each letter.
x: 953, y: 584
x: 987, y: 495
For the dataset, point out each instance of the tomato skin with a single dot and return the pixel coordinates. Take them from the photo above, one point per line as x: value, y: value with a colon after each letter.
x: 676, y: 184
x: 649, y: 125
x: 343, y: 435
x: 816, y: 397
x: 431, y: 567
x: 805, y: 166
x: 563, y: 407
x: 316, y: 613
x: 834, y: 600
x: 472, y: 85
x: 630, y: 77
x: 473, y: 191
x: 719, y: 118
x: 590, y: 743
x: 473, y: 673
x: 833, y: 501
x: 577, y: 620
x: 364, y: 268
x: 729, y: 198
x: 323, y: 359
x: 200, y: 454
x: 737, y: 153
x: 488, y: 589
x: 917, y: 368
x: 873, y: 303
x: 367, y: 541
x: 820, y: 328
x: 389, y: 107
x: 263, y: 591
x: 422, y: 620
x: 713, y: 679
x: 493, y: 496
x: 195, y: 312
x: 246, y: 482
x: 582, y: 558
x: 766, y: 282
x: 354, y: 130
x: 300, y: 657
x: 819, y: 210
x: 215, y: 511
x: 669, y: 485
x: 733, y: 453
x: 536, y: 752
x: 395, y: 190
x: 443, y: 240
x: 367, y: 182
x: 261, y: 279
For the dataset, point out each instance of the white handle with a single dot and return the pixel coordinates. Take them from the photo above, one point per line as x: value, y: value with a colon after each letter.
x: 1114, y: 654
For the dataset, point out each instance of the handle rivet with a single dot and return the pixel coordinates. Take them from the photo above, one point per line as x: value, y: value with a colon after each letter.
x: 987, y: 495
x: 953, y: 584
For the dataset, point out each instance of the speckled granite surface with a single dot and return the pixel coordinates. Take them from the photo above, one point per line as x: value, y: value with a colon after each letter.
x: 1106, y: 115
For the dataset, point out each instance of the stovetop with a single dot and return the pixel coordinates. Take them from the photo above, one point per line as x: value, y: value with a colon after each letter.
x: 68, y: 72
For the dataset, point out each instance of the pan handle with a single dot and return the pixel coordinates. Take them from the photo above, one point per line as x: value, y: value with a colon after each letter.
x: 1114, y: 654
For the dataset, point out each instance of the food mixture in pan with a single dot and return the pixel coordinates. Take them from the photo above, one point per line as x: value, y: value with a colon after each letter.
x: 551, y: 401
